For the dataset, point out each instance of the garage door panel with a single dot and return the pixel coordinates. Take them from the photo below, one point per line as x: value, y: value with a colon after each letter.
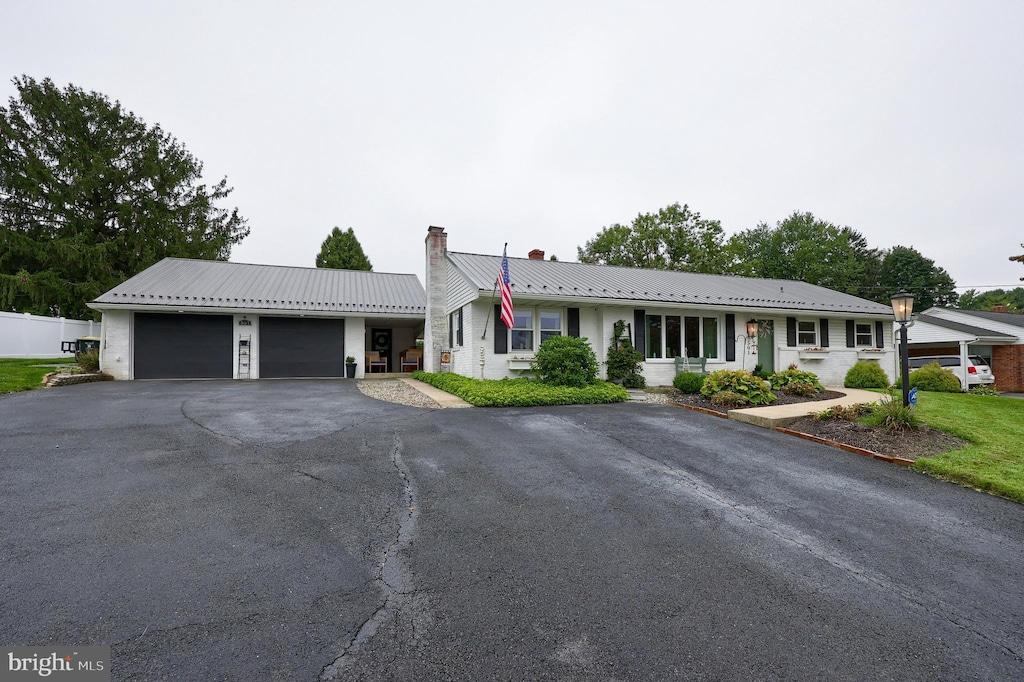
x: 183, y: 346
x: 301, y: 347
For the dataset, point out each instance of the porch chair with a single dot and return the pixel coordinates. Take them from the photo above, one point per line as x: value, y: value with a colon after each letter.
x: 373, y: 359
x: 411, y: 359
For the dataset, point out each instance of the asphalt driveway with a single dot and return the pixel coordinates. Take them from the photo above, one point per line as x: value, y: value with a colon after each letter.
x: 299, y: 530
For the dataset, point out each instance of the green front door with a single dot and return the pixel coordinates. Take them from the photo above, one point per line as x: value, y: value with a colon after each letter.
x: 766, y: 346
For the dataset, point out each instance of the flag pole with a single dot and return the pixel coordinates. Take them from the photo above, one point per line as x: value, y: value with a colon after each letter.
x: 487, y: 322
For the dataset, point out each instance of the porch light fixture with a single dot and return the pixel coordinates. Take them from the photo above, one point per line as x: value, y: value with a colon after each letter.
x: 752, y: 328
x: 902, y: 309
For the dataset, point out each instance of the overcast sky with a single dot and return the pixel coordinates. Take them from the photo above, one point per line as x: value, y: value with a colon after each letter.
x: 540, y: 123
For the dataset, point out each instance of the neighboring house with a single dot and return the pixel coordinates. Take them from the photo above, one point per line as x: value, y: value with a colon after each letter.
x: 213, y: 319
x: 997, y: 336
x: 668, y: 314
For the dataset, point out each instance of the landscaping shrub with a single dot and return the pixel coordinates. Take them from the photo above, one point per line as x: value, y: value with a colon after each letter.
x: 800, y: 388
x: 521, y: 392
x: 754, y: 390
x: 846, y: 413
x: 984, y: 389
x: 623, y: 359
x: 932, y: 377
x: 688, y: 382
x: 728, y: 399
x: 866, y: 374
x: 891, y: 414
x: 566, y: 361
x: 781, y: 380
x: 89, y: 361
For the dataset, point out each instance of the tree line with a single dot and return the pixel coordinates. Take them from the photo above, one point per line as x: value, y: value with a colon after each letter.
x: 800, y: 247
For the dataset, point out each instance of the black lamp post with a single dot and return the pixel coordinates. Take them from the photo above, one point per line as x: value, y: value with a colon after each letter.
x: 902, y: 307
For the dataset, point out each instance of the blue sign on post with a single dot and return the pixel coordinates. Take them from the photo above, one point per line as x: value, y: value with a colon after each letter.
x: 913, y: 396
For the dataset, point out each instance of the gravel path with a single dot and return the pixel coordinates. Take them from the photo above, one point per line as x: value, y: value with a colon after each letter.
x: 396, y: 391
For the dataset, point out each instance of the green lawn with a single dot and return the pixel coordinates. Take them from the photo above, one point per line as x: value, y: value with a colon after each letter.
x: 17, y: 374
x: 994, y: 426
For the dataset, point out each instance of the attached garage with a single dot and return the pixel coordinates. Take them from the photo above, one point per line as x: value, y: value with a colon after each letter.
x: 181, y: 346
x: 301, y: 347
x: 192, y: 319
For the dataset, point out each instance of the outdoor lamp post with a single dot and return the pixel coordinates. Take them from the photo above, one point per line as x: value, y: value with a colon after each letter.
x: 902, y: 307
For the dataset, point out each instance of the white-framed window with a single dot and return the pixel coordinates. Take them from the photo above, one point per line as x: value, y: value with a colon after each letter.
x: 550, y: 324
x: 672, y: 336
x: 807, y: 332
x: 864, y: 335
x: 522, y: 330
x: 531, y: 324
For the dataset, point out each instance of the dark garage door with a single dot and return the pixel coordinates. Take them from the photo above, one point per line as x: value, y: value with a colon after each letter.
x: 183, y: 346
x: 301, y: 347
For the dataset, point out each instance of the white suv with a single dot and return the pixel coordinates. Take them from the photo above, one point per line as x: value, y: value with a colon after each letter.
x: 978, y: 371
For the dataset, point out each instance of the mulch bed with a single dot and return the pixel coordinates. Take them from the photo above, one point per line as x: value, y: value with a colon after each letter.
x: 924, y: 442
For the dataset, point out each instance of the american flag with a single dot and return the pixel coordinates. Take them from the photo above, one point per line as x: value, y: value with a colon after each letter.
x: 506, y: 292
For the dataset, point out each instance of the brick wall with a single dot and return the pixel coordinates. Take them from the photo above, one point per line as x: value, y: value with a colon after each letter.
x: 1008, y: 366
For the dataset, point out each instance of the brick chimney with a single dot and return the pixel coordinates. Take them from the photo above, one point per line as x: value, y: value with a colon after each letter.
x: 1000, y: 308
x: 435, y: 331
x: 536, y: 254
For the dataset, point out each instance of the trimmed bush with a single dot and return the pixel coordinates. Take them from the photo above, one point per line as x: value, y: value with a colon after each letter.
x: 866, y: 374
x: 688, y: 382
x: 521, y: 392
x: 566, y: 361
x: 754, y: 390
x: 932, y: 377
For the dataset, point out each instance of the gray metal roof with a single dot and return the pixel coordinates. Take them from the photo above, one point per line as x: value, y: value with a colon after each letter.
x: 570, y: 279
x: 219, y: 284
x: 960, y: 327
x: 1016, y: 319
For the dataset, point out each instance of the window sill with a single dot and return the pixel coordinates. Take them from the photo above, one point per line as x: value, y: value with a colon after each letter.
x: 520, y: 364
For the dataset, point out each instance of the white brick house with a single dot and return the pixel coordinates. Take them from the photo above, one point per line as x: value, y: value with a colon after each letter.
x: 668, y: 314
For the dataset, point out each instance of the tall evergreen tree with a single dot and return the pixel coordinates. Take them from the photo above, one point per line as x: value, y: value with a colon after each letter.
x: 90, y: 195
x: 342, y: 250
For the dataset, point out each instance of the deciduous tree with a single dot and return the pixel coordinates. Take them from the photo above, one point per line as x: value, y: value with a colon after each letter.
x: 674, y: 238
x: 91, y: 195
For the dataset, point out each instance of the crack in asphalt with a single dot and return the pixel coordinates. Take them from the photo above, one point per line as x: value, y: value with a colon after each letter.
x: 230, y: 439
x: 790, y: 535
x: 393, y: 575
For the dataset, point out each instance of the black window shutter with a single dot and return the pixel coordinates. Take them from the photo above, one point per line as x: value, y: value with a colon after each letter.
x: 451, y: 329
x: 730, y: 337
x: 823, y: 326
x: 851, y: 333
x: 879, y: 334
x: 574, y: 322
x: 460, y: 327
x: 790, y: 331
x: 639, y: 327
x: 500, y: 333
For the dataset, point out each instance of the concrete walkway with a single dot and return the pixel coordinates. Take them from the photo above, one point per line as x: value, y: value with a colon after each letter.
x: 442, y: 398
x: 779, y: 415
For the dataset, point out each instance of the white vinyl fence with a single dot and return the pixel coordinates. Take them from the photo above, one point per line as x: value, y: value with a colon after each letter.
x: 30, y: 336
